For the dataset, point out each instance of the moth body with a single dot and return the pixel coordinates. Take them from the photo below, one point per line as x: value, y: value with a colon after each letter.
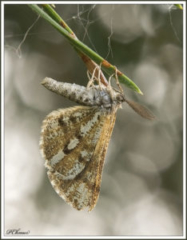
x: 104, y: 97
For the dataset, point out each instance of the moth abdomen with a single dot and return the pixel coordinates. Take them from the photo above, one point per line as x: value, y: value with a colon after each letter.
x: 73, y: 91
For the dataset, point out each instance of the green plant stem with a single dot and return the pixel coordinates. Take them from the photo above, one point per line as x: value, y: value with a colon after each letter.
x: 179, y: 6
x: 55, y: 20
x: 53, y: 14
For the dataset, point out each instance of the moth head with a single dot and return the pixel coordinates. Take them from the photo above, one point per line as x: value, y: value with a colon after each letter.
x: 118, y: 96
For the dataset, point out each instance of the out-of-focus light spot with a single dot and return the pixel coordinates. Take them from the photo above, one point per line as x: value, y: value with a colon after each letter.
x: 154, y: 80
x: 23, y: 164
x: 140, y: 16
x: 141, y: 164
x: 150, y: 215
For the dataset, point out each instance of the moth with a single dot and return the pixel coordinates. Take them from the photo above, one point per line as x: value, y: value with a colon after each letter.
x: 74, y: 140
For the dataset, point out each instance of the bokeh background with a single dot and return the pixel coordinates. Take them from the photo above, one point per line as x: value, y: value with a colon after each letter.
x: 142, y: 185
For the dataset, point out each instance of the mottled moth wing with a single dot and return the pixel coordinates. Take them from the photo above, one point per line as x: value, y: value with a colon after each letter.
x: 74, y: 143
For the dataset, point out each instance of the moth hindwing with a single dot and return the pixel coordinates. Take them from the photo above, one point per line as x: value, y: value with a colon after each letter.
x: 74, y: 142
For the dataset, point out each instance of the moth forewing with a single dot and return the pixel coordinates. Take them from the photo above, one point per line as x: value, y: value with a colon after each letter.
x: 74, y: 143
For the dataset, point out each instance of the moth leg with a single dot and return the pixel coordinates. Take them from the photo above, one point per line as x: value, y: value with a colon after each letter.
x: 91, y: 80
x: 110, y: 88
x: 117, y: 80
x: 96, y: 76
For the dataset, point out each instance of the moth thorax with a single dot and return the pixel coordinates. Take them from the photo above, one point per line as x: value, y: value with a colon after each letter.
x: 108, y: 97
